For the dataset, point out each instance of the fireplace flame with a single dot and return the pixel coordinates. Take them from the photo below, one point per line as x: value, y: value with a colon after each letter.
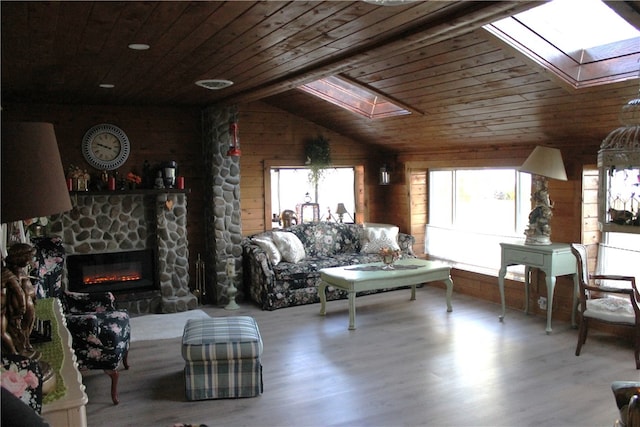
x: 107, y: 278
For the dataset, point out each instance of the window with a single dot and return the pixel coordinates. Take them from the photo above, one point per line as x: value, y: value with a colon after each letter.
x: 619, y: 254
x: 584, y: 43
x: 471, y: 211
x: 289, y: 186
x: 353, y: 97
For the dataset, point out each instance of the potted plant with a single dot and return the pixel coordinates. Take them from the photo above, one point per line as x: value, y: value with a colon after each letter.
x: 318, y: 157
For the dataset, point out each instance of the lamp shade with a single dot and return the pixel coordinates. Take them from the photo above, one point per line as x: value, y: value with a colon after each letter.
x: 545, y: 161
x: 341, y: 209
x: 33, y: 180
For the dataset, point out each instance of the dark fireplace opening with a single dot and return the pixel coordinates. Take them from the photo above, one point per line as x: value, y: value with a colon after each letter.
x: 117, y: 272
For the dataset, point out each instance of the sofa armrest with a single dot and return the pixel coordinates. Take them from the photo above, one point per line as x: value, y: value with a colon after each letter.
x: 406, y: 242
x: 258, y: 272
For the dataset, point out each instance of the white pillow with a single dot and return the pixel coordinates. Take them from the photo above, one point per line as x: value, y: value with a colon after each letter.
x: 267, y: 245
x: 290, y: 247
x: 379, y: 237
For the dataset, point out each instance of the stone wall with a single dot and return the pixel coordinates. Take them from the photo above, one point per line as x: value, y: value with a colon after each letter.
x: 222, y: 207
x: 115, y: 222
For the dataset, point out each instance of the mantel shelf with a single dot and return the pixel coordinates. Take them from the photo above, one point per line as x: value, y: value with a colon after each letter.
x: 143, y: 191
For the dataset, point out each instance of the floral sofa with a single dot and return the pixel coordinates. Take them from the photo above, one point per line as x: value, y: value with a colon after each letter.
x: 277, y: 275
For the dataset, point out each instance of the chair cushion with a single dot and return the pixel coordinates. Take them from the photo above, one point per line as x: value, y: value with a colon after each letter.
x: 611, y: 309
x: 221, y: 338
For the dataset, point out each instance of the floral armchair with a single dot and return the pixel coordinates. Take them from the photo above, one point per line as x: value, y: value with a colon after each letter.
x: 100, y: 332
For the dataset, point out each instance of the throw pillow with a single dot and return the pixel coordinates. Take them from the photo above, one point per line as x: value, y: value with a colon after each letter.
x: 270, y: 249
x: 289, y: 245
x: 379, y: 237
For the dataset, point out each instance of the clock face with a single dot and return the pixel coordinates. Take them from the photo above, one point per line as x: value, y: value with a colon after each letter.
x: 105, y: 147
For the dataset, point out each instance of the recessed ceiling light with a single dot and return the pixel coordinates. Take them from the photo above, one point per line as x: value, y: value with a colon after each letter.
x: 214, y: 84
x: 107, y: 85
x: 139, y: 46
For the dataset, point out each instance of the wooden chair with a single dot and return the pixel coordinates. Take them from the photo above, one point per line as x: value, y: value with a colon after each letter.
x: 612, y: 305
x: 627, y: 396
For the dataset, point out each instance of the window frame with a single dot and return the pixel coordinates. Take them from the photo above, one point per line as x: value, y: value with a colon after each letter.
x: 359, y: 190
x: 522, y: 192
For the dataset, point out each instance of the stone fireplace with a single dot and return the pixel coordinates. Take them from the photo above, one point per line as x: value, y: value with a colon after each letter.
x: 118, y: 272
x: 129, y: 221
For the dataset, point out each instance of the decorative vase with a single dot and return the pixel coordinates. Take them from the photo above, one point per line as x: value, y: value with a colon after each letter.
x: 388, y: 261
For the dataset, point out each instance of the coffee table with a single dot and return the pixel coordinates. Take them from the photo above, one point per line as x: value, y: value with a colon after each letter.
x: 368, y: 277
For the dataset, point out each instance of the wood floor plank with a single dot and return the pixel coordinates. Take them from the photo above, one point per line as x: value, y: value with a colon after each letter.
x: 409, y: 363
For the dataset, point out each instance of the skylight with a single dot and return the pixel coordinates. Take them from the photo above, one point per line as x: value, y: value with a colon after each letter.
x: 353, y: 97
x: 584, y: 43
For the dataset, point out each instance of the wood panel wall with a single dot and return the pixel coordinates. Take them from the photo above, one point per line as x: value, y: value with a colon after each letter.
x: 156, y: 135
x: 269, y: 135
x: 566, y: 223
x: 272, y: 137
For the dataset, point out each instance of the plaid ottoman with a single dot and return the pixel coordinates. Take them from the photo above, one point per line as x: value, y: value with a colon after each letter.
x: 222, y: 358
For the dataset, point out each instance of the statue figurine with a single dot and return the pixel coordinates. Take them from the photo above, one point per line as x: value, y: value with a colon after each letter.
x: 18, y: 300
x: 159, y: 182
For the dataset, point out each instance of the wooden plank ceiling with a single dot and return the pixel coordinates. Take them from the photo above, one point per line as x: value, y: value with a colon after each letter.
x: 472, y: 91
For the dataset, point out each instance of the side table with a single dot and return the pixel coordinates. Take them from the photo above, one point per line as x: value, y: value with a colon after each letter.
x: 68, y: 410
x: 555, y: 260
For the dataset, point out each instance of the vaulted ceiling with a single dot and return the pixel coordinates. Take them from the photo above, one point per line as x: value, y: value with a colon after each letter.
x: 466, y: 89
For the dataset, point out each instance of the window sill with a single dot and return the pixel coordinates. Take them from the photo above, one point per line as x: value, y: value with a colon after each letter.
x: 515, y: 273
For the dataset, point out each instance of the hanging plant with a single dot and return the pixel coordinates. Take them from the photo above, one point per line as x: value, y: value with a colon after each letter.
x: 318, y: 157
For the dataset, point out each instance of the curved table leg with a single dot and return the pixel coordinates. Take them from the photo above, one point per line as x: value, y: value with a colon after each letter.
x: 352, y: 310
x: 323, y: 298
x: 501, y: 274
x: 449, y: 284
x: 551, y: 284
x: 527, y: 284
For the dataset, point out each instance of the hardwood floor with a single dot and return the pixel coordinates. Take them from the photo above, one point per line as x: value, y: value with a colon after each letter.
x: 409, y: 363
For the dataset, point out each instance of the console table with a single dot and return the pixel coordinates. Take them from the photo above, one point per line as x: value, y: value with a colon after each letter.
x: 69, y: 410
x: 555, y: 260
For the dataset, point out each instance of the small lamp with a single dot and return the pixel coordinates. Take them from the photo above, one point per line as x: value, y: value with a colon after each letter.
x: 385, y: 176
x: 341, y: 210
x: 542, y: 163
x: 234, y: 147
x: 33, y: 180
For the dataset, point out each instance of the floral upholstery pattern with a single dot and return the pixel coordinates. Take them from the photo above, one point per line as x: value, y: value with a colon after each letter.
x: 23, y: 378
x: 101, y: 333
x: 48, y: 266
x: 326, y: 245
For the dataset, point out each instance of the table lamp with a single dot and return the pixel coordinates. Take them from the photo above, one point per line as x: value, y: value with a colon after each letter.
x: 542, y: 163
x: 33, y: 180
x: 33, y: 185
x: 341, y: 210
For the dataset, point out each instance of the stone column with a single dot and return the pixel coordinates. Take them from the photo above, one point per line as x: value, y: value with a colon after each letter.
x: 222, y: 203
x: 173, y: 253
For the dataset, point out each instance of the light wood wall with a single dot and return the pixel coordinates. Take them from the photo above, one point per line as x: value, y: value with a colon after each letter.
x: 566, y: 223
x: 272, y: 137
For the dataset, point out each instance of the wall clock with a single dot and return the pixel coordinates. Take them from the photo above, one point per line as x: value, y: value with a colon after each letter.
x: 105, y: 147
